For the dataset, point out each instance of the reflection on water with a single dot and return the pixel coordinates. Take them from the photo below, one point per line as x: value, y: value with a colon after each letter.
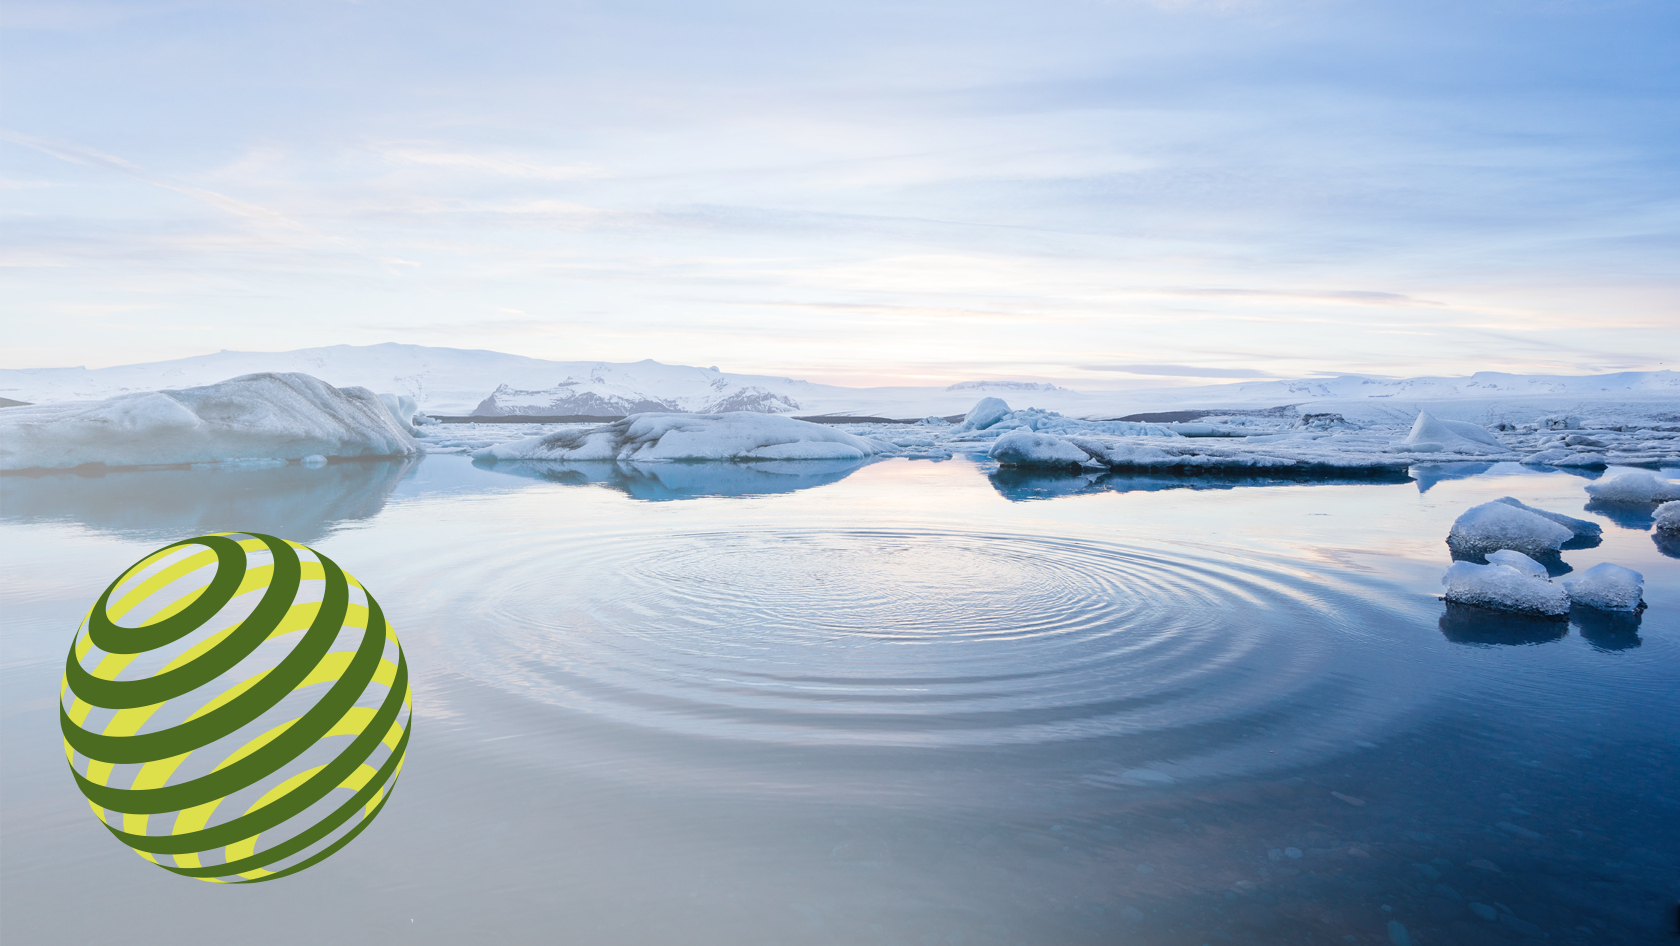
x: 1018, y: 485
x: 1470, y: 624
x: 936, y: 637
x: 1639, y: 516
x: 1608, y: 630
x: 890, y: 704
x: 1428, y: 474
x: 1668, y: 543
x: 297, y: 502
x: 665, y: 481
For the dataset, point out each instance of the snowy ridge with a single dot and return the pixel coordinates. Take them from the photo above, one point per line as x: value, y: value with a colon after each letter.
x: 641, y: 388
x: 459, y: 381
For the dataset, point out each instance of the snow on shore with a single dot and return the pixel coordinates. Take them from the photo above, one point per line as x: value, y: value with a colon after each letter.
x: 738, y: 435
x: 253, y: 418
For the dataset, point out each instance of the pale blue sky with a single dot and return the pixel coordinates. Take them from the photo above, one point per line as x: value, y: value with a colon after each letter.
x: 1098, y: 193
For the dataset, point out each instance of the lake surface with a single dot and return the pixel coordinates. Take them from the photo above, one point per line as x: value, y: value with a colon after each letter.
x: 907, y: 702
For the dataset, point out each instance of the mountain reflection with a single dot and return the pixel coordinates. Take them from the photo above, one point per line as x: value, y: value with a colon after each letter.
x: 302, y: 504
x: 660, y: 482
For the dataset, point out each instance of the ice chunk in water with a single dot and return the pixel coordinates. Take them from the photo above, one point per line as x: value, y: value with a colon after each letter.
x: 1503, y: 587
x: 1025, y: 448
x: 985, y: 412
x: 1430, y: 434
x: 1668, y: 517
x: 403, y: 408
x: 1581, y: 527
x: 1496, y: 525
x: 1633, y: 486
x: 1518, y: 561
x: 1607, y: 587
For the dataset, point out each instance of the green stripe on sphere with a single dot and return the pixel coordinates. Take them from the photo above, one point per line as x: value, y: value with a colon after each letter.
x: 236, y: 735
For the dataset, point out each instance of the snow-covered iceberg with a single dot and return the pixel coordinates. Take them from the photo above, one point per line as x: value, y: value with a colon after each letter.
x: 1633, y: 486
x: 1580, y: 527
x: 1520, y: 562
x: 1667, y: 518
x: 1429, y: 435
x: 273, y: 416
x: 1028, y: 449
x: 738, y: 435
x: 1497, y: 525
x: 1606, y: 587
x: 1504, y: 588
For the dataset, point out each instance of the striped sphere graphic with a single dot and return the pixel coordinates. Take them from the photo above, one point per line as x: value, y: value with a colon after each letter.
x: 235, y: 707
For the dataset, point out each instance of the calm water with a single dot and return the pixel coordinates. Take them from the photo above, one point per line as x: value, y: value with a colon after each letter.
x: 908, y: 702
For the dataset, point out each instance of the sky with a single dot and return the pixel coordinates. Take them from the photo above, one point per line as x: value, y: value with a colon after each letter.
x: 1098, y: 193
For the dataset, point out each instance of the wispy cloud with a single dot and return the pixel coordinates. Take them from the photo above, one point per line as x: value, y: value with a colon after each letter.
x: 1181, y: 371
x: 80, y: 154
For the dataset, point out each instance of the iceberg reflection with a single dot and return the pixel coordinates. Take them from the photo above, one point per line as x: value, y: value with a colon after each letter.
x: 659, y: 482
x: 1020, y: 484
x: 300, y: 503
x: 1469, y: 624
x: 1608, y: 630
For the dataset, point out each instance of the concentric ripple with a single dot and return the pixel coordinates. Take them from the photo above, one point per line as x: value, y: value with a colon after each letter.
x: 903, y: 638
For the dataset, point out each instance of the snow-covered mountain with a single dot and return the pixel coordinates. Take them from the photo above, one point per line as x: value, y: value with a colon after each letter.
x: 647, y: 386
x: 457, y: 381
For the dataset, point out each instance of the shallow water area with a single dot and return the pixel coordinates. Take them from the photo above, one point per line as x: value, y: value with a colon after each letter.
x: 906, y: 702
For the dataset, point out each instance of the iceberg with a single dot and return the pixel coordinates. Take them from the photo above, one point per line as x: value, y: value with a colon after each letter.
x: 985, y: 412
x: 738, y: 435
x: 1503, y: 588
x: 1028, y: 449
x: 1496, y: 525
x: 1633, y: 486
x: 1607, y: 587
x: 1429, y: 435
x: 1581, y: 527
x: 403, y: 408
x: 256, y: 416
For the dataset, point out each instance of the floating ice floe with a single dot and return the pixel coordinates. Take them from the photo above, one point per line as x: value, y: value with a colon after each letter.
x: 1667, y: 518
x: 1430, y: 435
x: 1498, y: 525
x: 1504, y: 588
x: 738, y: 435
x: 1580, y: 527
x: 1607, y: 587
x: 255, y: 417
x: 1025, y: 448
x: 1633, y: 486
x: 1520, y: 562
